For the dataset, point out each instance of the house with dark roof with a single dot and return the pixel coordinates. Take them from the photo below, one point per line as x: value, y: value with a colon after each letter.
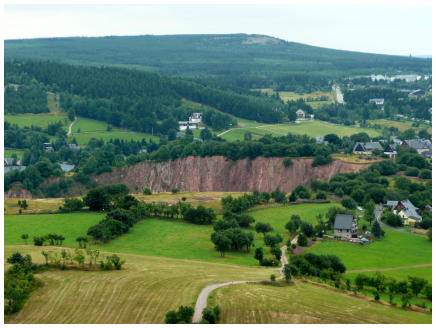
x: 421, y: 145
x: 366, y: 147
x: 345, y: 226
x: 390, y: 151
x: 405, y: 209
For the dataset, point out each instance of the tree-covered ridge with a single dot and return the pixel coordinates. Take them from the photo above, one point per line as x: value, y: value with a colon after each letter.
x: 141, y: 101
x: 30, y: 98
x: 249, y: 61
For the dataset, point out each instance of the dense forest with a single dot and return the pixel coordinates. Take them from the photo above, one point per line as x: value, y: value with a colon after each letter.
x: 30, y: 98
x: 248, y: 61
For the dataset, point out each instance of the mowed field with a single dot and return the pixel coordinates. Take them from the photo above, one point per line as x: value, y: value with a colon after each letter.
x: 311, y: 128
x: 41, y: 120
x: 401, y: 125
x: 303, y: 303
x: 142, y: 292
x: 84, y: 129
x: 35, y: 205
x: 290, y: 95
x: 396, y: 249
x: 18, y: 152
x: 70, y: 225
x: 157, y: 237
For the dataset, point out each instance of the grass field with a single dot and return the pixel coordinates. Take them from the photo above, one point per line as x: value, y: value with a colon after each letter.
x: 303, y: 303
x: 207, y: 199
x: 51, y: 103
x: 156, y: 237
x: 34, y: 205
x: 18, y: 152
x: 396, y: 249
x: 70, y: 225
x: 42, y: 120
x: 399, y: 274
x: 401, y: 125
x: 142, y: 292
x: 90, y: 128
x: 290, y: 95
x: 311, y: 128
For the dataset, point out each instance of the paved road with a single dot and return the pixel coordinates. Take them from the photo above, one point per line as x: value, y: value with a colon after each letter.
x: 201, y: 303
x: 378, y: 211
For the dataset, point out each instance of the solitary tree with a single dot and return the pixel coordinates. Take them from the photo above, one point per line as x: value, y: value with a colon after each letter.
x: 377, y: 230
x: 25, y: 236
x: 45, y: 254
x: 288, y: 272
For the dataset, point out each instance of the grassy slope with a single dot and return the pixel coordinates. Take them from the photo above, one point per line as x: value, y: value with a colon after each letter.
x: 90, y: 128
x: 70, y: 225
x: 311, y: 128
x: 394, y: 250
x: 18, y: 152
x: 42, y: 120
x: 401, y: 125
x: 142, y: 292
x: 303, y: 303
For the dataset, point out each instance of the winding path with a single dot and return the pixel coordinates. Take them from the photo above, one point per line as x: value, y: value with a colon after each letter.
x: 71, y: 126
x: 201, y: 303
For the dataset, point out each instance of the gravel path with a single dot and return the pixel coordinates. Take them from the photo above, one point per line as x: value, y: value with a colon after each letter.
x: 71, y: 126
x: 201, y: 303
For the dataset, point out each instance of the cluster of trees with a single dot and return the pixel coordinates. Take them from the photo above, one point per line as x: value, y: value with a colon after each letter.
x: 267, y: 146
x: 184, y: 315
x: 313, y: 265
x: 270, y: 239
x: 413, y: 286
x: 52, y: 239
x: 28, y: 98
x: 228, y: 234
x: 19, y: 282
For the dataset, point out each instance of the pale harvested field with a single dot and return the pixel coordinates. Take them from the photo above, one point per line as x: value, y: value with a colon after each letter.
x: 143, y: 292
x: 303, y: 303
x: 36, y: 205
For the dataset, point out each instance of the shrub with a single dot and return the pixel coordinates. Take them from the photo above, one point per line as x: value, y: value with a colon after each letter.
x: 425, y: 174
x: 302, y: 240
x: 349, y: 203
x: 175, y: 190
x: 412, y: 172
x: 38, y: 241
x: 273, y: 277
x: 147, y: 191
x: 321, y: 195
x: 287, y: 161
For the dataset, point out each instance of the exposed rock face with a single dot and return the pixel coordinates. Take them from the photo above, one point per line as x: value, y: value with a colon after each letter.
x: 218, y: 173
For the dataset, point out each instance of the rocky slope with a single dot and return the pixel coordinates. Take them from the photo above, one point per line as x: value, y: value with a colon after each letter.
x: 218, y: 173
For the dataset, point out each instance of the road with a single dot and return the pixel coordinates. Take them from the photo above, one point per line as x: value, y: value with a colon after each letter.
x: 378, y: 211
x: 339, y: 95
x: 70, y: 127
x: 201, y: 303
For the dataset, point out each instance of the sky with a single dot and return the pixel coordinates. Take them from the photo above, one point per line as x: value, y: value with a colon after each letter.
x: 402, y: 29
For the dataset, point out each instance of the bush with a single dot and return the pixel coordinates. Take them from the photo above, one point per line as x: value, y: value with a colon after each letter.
x: 412, y: 172
x: 273, y: 277
x: 425, y: 174
x: 147, y: 191
x: 321, y: 195
x: 38, y: 241
x: 349, y: 203
x: 302, y: 240
x: 175, y: 190
x: 71, y: 205
x: 269, y: 261
x: 287, y: 161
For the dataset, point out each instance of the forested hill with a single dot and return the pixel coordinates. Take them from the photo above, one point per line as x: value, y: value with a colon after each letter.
x: 137, y: 100
x: 249, y: 61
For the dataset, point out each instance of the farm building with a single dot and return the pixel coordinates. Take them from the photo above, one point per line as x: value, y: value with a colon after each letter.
x: 345, y: 226
x: 366, y: 147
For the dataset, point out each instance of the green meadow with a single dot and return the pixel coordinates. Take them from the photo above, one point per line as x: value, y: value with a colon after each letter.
x: 41, y: 120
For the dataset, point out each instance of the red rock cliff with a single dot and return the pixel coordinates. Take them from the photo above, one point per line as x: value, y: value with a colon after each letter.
x: 218, y: 173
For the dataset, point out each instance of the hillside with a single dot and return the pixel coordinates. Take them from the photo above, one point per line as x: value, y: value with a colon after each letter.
x: 220, y: 174
x: 252, y: 61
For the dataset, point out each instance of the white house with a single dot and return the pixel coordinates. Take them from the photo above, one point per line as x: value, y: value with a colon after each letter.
x: 183, y: 125
x: 195, y: 118
x: 300, y: 114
